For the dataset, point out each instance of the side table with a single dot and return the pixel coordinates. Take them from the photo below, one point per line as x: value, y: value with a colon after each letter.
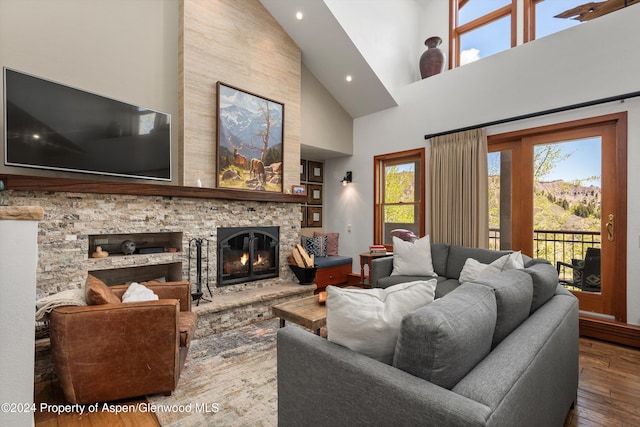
x: 365, y: 259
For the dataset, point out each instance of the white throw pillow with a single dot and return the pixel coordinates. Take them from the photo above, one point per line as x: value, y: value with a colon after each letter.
x: 368, y: 320
x: 137, y: 292
x: 474, y: 269
x: 412, y: 258
x: 514, y: 261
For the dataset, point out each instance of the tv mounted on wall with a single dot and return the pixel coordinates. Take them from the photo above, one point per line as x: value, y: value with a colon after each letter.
x: 48, y: 125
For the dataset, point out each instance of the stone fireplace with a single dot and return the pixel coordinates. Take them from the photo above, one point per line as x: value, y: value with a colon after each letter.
x: 246, y: 254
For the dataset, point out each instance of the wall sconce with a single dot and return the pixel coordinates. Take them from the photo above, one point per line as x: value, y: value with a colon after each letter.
x: 347, y: 178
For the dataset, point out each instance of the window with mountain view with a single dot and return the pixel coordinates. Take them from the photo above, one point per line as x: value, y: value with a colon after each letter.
x: 558, y: 193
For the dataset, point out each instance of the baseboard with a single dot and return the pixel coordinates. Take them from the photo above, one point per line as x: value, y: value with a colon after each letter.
x: 610, y: 330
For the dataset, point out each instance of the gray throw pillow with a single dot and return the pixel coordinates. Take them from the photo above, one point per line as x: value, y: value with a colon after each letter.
x: 514, y: 293
x: 444, y: 340
x: 545, y: 281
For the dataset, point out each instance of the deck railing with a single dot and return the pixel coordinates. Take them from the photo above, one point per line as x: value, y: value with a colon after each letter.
x: 556, y: 245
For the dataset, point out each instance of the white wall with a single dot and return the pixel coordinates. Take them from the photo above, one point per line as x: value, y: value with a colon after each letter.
x: 325, y: 126
x: 385, y: 33
x: 18, y: 261
x: 591, y: 61
x: 122, y: 49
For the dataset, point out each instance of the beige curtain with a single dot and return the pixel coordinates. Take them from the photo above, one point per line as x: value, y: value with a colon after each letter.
x: 459, y: 186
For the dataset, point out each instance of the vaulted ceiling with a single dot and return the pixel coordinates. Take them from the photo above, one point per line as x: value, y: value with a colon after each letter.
x: 329, y: 53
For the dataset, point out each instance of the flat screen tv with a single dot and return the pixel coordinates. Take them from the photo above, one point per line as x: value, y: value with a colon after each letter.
x: 48, y: 125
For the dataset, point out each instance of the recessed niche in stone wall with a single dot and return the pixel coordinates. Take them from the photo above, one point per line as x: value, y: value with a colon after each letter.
x: 145, y: 243
x: 119, y: 276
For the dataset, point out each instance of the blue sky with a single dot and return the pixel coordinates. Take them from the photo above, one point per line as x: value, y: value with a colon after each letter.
x: 583, y: 162
x: 495, y: 37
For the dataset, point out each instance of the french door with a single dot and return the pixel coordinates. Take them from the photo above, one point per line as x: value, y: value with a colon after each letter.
x: 559, y: 193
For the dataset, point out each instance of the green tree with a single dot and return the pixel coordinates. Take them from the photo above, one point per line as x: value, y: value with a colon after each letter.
x: 399, y: 189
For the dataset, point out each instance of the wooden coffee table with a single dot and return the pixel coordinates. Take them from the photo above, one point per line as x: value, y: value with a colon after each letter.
x: 305, y: 312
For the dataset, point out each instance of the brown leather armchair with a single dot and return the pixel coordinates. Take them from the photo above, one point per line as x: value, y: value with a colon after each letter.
x: 118, y: 350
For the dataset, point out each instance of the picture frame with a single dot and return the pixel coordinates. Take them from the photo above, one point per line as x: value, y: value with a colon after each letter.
x: 314, y: 194
x: 315, y: 171
x: 314, y: 216
x: 303, y: 221
x: 303, y: 170
x: 299, y: 190
x: 249, y: 150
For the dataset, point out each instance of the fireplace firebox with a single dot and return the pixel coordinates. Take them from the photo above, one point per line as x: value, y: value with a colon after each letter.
x: 246, y: 254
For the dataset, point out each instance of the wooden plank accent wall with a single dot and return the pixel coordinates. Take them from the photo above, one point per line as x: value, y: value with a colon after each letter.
x: 238, y: 43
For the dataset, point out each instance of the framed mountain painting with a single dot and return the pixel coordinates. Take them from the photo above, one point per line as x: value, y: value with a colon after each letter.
x: 250, y: 139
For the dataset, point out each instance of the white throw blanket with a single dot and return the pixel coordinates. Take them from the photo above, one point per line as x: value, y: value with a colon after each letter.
x: 69, y: 297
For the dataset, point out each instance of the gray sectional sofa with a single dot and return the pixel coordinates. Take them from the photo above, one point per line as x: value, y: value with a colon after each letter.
x: 501, y: 351
x: 448, y: 261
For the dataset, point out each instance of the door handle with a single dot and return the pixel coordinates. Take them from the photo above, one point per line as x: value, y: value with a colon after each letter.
x: 610, y: 228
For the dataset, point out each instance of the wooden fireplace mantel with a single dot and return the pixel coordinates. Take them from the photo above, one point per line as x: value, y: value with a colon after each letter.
x: 39, y: 183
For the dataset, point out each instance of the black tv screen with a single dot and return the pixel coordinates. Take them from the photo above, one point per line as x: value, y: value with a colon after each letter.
x: 48, y: 125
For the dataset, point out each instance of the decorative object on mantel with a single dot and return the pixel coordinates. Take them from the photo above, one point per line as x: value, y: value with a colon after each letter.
x: 198, y: 294
x: 128, y: 247
x: 432, y: 60
x: 250, y: 140
x: 2, y: 203
x: 99, y: 253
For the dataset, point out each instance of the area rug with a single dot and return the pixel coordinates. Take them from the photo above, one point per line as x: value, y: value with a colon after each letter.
x: 229, y: 379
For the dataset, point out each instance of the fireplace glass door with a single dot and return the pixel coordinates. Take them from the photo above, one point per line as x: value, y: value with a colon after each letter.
x: 246, y: 254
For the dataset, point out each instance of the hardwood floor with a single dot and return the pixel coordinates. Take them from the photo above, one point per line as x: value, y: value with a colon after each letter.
x: 608, y: 394
x: 609, y: 387
x: 51, y: 393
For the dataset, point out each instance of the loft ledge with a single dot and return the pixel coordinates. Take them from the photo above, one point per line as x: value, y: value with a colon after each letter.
x: 39, y: 183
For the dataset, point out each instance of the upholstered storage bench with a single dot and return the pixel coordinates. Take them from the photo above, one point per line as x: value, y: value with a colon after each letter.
x: 332, y: 270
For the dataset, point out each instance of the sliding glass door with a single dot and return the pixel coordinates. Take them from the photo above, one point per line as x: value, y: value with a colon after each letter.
x: 559, y: 193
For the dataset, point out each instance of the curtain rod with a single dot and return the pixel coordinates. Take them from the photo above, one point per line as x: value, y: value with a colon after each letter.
x: 539, y: 113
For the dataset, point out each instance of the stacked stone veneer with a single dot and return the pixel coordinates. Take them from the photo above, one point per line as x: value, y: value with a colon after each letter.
x: 63, y: 243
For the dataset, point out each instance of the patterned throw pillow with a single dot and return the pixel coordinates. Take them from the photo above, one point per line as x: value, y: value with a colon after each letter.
x: 332, y: 242
x: 315, y: 245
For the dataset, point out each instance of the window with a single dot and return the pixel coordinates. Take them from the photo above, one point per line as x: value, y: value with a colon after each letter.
x: 480, y: 28
x: 548, y: 17
x: 399, y: 194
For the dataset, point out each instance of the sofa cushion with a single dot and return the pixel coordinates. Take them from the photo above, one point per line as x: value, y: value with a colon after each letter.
x: 445, y: 286
x: 474, y: 269
x: 412, y: 258
x: 458, y: 256
x: 316, y: 246
x: 331, y: 261
x: 387, y: 281
x: 97, y: 292
x: 545, y: 281
x: 439, y: 255
x: 443, y: 341
x: 137, y: 292
x: 333, y: 242
x: 514, y: 293
x: 368, y: 320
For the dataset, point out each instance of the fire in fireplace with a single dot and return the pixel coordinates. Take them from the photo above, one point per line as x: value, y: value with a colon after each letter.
x: 246, y: 254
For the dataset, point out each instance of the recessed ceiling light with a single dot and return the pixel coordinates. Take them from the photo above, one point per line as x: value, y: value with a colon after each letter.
x: 349, y: 78
x: 299, y: 15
